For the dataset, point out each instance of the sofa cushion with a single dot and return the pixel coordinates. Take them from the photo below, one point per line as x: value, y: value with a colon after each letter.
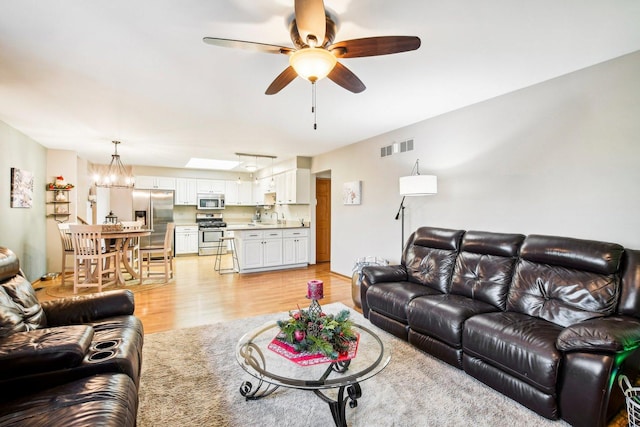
x: 483, y: 277
x: 430, y: 256
x: 610, y: 334
x: 561, y: 295
x: 116, y: 347
x: 32, y: 352
x: 392, y: 299
x: 485, y: 266
x: 24, y: 296
x: 629, y: 304
x: 520, y: 345
x: 443, y: 316
x: 589, y: 255
x: 101, y: 400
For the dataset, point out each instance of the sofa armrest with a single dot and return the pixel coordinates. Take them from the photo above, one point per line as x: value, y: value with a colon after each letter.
x: 384, y: 273
x: 88, y: 308
x: 612, y: 334
x: 41, y: 350
x: 375, y: 274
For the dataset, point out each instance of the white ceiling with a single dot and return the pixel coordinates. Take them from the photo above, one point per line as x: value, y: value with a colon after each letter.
x: 77, y: 74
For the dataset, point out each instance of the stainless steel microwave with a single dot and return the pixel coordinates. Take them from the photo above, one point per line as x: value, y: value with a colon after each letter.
x: 210, y: 201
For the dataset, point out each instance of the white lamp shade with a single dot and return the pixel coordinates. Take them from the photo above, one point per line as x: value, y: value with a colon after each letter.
x: 418, y: 185
x: 312, y: 63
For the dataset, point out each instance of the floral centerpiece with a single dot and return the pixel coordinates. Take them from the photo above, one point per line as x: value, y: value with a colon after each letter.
x: 60, y: 184
x: 326, y: 334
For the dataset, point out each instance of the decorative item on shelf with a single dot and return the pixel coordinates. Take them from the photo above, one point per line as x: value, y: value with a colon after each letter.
x: 60, y: 196
x: 315, y: 332
x: 60, y: 184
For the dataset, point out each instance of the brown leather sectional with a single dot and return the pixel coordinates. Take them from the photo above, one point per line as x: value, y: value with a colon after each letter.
x: 549, y: 321
x: 67, y: 362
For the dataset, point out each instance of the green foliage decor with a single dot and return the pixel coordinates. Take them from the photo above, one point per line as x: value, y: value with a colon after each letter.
x: 323, y: 333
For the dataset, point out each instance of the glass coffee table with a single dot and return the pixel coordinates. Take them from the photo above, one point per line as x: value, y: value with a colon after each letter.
x: 255, y: 353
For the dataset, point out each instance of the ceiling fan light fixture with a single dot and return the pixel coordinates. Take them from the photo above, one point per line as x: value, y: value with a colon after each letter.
x: 312, y: 64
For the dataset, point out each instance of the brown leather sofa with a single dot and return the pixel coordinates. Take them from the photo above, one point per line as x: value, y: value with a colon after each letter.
x: 67, y: 362
x: 549, y: 321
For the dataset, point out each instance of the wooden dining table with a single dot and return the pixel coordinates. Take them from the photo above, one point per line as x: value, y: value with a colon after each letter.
x: 122, y: 240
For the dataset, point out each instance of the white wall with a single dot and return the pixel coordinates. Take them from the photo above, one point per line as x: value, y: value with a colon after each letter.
x: 23, y: 230
x: 560, y: 157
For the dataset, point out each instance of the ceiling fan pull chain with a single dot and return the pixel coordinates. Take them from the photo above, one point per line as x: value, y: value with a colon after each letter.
x: 313, y: 105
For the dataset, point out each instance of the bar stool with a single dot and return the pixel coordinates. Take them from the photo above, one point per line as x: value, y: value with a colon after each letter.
x: 221, y: 249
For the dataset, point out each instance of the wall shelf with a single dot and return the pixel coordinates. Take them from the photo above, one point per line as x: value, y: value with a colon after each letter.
x: 60, y: 204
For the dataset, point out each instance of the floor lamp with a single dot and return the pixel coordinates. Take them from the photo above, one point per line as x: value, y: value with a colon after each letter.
x: 415, y: 185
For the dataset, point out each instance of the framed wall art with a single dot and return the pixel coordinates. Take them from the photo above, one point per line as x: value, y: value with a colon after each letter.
x: 21, y: 188
x: 352, y: 193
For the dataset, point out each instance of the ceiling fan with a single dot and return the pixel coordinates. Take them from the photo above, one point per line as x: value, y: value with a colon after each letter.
x: 315, y: 56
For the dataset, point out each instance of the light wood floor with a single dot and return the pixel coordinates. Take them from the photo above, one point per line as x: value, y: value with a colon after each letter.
x: 198, y: 295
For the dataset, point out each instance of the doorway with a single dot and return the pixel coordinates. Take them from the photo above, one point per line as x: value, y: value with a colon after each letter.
x: 323, y: 219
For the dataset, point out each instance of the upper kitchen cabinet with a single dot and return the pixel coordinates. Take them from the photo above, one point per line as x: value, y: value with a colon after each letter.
x: 155, y: 183
x: 293, y: 187
x: 186, y: 194
x: 210, y: 186
x: 239, y: 194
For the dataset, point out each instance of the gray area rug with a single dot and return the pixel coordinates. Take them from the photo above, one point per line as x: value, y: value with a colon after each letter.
x: 190, y: 377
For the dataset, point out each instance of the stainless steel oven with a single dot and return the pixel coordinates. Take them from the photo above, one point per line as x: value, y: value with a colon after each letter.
x: 208, y: 239
x: 210, y: 230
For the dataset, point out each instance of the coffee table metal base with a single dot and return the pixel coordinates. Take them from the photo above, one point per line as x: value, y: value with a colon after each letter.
x: 337, y: 406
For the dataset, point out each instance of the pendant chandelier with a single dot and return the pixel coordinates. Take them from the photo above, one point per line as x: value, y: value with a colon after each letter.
x: 116, y: 175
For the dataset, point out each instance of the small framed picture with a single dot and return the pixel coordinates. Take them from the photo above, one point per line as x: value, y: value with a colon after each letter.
x: 352, y: 193
x: 21, y: 188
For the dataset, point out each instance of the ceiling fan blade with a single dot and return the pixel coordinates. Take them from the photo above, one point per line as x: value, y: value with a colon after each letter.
x: 311, y: 20
x: 344, y: 77
x: 374, y: 46
x: 241, y: 44
x: 281, y: 81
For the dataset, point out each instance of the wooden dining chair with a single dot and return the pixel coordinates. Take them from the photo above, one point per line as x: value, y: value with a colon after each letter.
x: 160, y: 255
x: 67, y: 251
x: 92, y: 258
x: 133, y: 250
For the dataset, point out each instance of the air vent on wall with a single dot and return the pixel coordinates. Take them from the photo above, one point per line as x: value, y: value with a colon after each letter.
x: 397, y: 147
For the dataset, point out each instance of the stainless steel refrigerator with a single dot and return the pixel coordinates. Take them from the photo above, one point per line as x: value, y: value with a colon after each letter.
x: 155, y: 209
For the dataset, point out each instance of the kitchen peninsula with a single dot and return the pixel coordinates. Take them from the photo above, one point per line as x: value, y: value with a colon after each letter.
x: 264, y: 246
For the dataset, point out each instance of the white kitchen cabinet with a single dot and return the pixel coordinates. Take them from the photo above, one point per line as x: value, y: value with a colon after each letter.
x: 210, y: 186
x: 155, y: 182
x: 186, y: 239
x: 263, y: 186
x: 272, y: 249
x: 295, y: 246
x: 293, y: 187
x: 260, y: 248
x: 281, y: 188
x: 239, y: 194
x: 186, y: 193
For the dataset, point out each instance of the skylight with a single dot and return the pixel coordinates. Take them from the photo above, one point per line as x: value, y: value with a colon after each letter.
x: 196, y: 163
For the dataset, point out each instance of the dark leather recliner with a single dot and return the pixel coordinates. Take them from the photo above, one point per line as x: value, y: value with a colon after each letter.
x: 73, y: 361
x: 548, y: 321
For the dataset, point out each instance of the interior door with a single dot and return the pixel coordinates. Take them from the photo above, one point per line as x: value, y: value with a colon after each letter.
x: 323, y: 220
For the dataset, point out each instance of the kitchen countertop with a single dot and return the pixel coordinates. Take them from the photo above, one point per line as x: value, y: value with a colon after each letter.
x: 263, y: 226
